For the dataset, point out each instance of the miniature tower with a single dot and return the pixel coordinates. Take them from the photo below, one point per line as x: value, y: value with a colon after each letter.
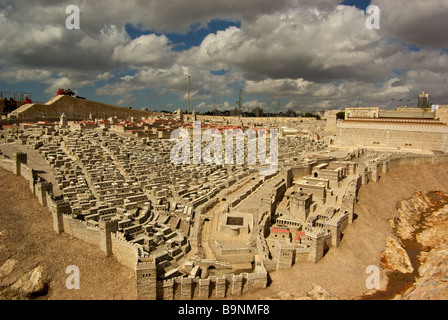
x: 335, y: 227
x: 106, y: 228
x: 146, y: 275
x: 180, y: 115
x: 19, y: 158
x: 300, y: 205
x: 316, y: 241
x: 285, y: 255
x: 373, y: 166
x: 63, y: 121
x: 42, y: 188
x: 57, y: 212
x: 348, y: 205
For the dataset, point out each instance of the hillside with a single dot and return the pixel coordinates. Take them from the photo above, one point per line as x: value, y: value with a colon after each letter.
x: 74, y: 108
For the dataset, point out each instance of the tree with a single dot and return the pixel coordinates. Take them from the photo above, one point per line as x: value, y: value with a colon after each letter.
x: 290, y: 113
x: 311, y: 115
x: 340, y: 115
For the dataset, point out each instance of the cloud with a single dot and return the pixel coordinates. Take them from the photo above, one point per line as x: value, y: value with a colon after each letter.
x: 104, y: 76
x: 308, y: 53
x: 415, y: 22
x: 174, y: 81
x: 145, y: 51
x: 13, y: 75
x: 277, y: 87
x: 308, y: 44
x: 59, y: 83
x: 179, y: 16
x: 126, y: 100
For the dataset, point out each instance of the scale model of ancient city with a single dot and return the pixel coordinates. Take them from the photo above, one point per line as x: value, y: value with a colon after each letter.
x: 208, y: 230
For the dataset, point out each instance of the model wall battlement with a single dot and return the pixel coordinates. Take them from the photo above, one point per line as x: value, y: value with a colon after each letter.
x: 181, y: 288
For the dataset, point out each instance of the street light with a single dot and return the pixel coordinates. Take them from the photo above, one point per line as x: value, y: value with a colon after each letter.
x: 188, y: 111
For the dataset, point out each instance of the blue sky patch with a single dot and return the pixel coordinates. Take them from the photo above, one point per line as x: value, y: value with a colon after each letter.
x: 192, y: 38
x: 360, y: 4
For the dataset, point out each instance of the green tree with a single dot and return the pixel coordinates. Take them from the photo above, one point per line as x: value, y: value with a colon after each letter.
x: 311, y: 115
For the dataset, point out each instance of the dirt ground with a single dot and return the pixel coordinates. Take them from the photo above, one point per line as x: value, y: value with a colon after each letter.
x: 26, y: 234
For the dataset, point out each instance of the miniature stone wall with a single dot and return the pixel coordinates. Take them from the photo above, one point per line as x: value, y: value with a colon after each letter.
x: 123, y: 251
x: 7, y: 164
x: 424, y: 137
x: 181, y: 288
x: 80, y: 230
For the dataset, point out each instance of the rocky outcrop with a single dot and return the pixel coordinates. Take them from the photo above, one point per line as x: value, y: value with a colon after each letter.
x: 410, y: 213
x: 317, y: 293
x: 427, y: 223
x: 433, y: 281
x: 395, y: 258
x: 29, y: 285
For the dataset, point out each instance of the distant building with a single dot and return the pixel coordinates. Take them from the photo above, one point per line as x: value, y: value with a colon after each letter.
x: 424, y: 99
x: 258, y: 112
x: 235, y: 112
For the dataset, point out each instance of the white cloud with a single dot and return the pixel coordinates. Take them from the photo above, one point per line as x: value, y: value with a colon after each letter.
x: 309, y: 53
x: 126, y: 100
x: 104, y: 76
x: 423, y: 23
x: 58, y: 83
x: 174, y: 80
x: 145, y: 51
x: 306, y: 44
x: 20, y: 75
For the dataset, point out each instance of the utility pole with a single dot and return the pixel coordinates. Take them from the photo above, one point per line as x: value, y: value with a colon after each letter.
x: 188, y: 111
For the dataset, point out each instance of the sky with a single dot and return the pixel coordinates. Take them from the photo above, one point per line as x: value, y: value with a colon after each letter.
x: 303, y: 55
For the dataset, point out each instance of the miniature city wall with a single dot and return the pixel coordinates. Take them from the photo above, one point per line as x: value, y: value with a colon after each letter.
x: 113, y: 243
x: 392, y: 135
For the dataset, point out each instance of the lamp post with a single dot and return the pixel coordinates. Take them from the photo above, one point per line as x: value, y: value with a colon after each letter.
x: 188, y: 110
